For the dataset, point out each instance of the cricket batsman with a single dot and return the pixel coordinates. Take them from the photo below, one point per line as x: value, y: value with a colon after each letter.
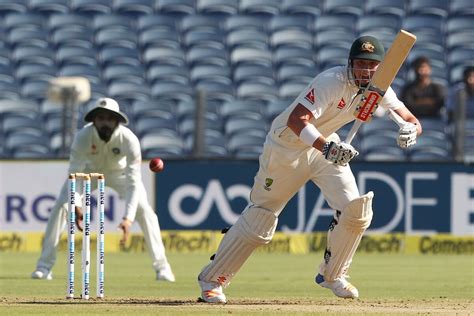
x: 107, y: 146
x: 302, y: 145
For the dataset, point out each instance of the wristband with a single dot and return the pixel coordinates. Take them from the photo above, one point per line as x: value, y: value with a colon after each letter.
x: 309, y: 134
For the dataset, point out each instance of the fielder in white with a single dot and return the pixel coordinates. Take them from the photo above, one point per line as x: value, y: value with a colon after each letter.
x: 302, y: 146
x: 105, y: 145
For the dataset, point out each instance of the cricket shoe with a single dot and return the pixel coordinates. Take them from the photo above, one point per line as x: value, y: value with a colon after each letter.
x: 211, y: 292
x: 42, y: 274
x: 340, y: 287
x: 165, y: 274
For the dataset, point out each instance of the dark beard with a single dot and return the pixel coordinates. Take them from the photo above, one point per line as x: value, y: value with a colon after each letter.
x: 105, y: 133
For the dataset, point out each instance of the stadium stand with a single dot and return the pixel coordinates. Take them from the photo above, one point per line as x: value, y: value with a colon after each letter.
x: 153, y: 55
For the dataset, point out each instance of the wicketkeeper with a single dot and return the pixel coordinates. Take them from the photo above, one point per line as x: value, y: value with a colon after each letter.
x: 106, y: 146
x: 302, y: 145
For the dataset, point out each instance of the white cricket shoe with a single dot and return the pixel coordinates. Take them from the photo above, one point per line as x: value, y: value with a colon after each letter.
x: 211, y: 292
x: 42, y: 274
x: 165, y: 274
x: 340, y: 287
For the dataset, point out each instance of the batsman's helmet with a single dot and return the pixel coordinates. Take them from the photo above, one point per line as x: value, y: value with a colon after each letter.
x: 367, y: 47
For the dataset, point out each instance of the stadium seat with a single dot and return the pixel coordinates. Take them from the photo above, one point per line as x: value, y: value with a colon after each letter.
x: 115, y: 37
x: 119, y: 56
x: 456, y: 24
x: 296, y: 72
x: 9, y: 91
x: 431, y: 7
x: 6, y: 74
x: 215, y: 90
x: 460, y: 39
x: 91, y: 72
x: 8, y: 6
x: 156, y: 21
x: 275, y: 107
x: 129, y: 91
x: 430, y: 155
x: 461, y: 7
x: 172, y: 91
x: 260, y: 8
x: 159, y: 38
x: 34, y: 72
x: 292, y: 88
x: 423, y: 22
x: 338, y: 37
x: 250, y: 55
x: 291, y: 38
x: 309, y: 8
x: 20, y: 106
x: 168, y: 72
x: 286, y: 22
x: 206, y: 56
x: 133, y: 7
x: 254, y: 73
x: 196, y: 22
x: 163, y: 56
x: 210, y: 73
x: 71, y: 37
x: 26, y: 20
x: 241, y: 22
x: 175, y: 7
x: 208, y: 38
x: 91, y: 7
x: 391, y: 7
x: 369, y: 22
x: 217, y: 7
x: 242, y: 108
x: 250, y: 38
x: 248, y: 146
x: 257, y: 91
x: 48, y: 7
x: 154, y: 145
x: 25, y: 36
x: 66, y: 55
x: 32, y: 54
x: 156, y: 122
x: 249, y: 126
x: 334, y: 22
x: 350, y: 7
x: 294, y: 56
x: 328, y: 57
x: 124, y: 73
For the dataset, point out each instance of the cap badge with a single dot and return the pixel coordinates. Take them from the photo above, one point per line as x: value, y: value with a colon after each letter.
x: 367, y: 47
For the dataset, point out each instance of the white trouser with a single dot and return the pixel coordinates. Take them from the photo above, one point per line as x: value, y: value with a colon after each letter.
x: 145, y: 217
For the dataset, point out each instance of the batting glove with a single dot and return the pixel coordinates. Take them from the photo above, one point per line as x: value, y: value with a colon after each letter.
x: 407, y: 135
x: 339, y: 153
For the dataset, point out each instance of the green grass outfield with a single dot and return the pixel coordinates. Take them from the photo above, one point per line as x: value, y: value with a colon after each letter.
x: 268, y: 284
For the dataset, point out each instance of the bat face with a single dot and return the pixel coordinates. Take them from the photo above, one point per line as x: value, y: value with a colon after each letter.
x: 384, y: 76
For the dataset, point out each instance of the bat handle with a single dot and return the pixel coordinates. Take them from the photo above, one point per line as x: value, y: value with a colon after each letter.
x: 355, y: 127
x: 396, y: 118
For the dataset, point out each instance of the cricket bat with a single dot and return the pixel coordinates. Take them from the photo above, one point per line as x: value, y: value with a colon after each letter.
x: 380, y: 82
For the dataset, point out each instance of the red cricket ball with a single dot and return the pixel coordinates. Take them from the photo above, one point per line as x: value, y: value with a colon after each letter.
x: 157, y: 165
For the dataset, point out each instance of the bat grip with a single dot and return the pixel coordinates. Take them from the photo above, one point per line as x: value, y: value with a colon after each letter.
x: 355, y: 127
x: 396, y: 118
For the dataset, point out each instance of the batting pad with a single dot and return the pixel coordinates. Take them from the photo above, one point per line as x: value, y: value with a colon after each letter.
x: 344, y: 239
x: 255, y: 227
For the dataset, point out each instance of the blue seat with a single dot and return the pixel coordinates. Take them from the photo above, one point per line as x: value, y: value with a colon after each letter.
x: 69, y: 21
x: 172, y: 91
x: 247, y: 38
x: 254, y: 72
x: 124, y: 73
x: 242, y: 145
x: 423, y: 22
x: 292, y: 38
x: 153, y: 145
x: 141, y: 108
x: 432, y: 7
x: 370, y: 22
x: 66, y: 55
x: 175, y: 7
x: 460, y: 39
x: 71, y: 37
x: 32, y: 54
x: 34, y: 72
x: 31, y: 37
x: 91, y: 7
x: 217, y: 7
x: 156, y: 21
x: 133, y: 7
x: 380, y: 126
x: 159, y: 38
x: 187, y: 125
x: 241, y: 22
x: 167, y: 72
x: 456, y: 71
x: 287, y: 73
x: 351, y: 7
x: 119, y: 55
x: 195, y: 22
x: 208, y: 38
x: 111, y: 21
x: 49, y: 6
x: 337, y: 37
x: 91, y: 72
x: 456, y: 24
x: 241, y: 125
x: 294, y: 56
x: 215, y: 90
x: 19, y: 107
x: 156, y: 122
x: 6, y: 74
x: 377, y: 143
x: 8, y: 6
x: 385, y: 154
x: 21, y: 121
x: 9, y: 91
x: 210, y: 73
x: 115, y: 38
x: 23, y: 20
x: 286, y: 22
x: 242, y: 108
x: 391, y: 7
x: 129, y: 91
x: 163, y: 56
x: 250, y: 55
x: 275, y: 107
x: 263, y: 8
x: 309, y: 8
x: 430, y: 155
x: 292, y: 88
x: 257, y: 91
x: 36, y: 89
x: 328, y: 57
x: 334, y: 21
x: 25, y: 141
x: 206, y: 56
x: 461, y: 7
